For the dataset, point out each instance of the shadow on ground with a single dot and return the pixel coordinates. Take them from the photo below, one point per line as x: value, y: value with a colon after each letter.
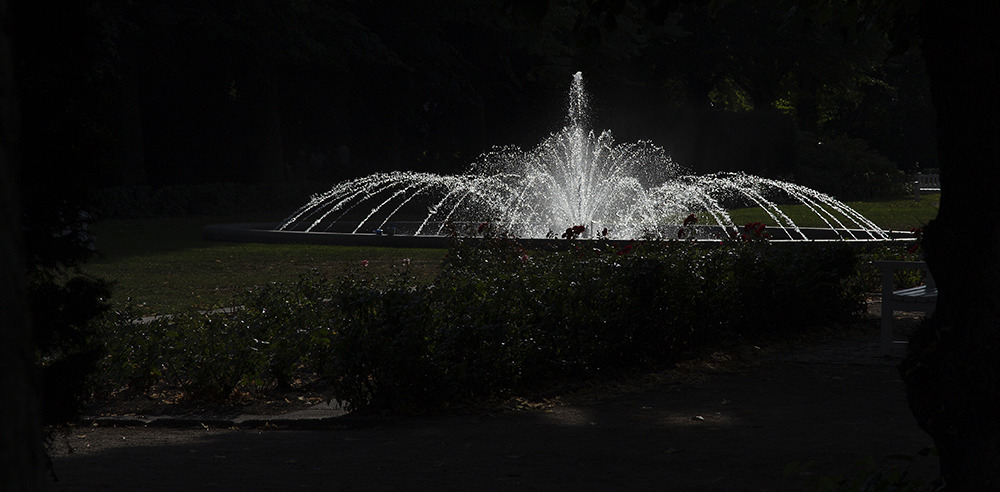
x: 837, y: 404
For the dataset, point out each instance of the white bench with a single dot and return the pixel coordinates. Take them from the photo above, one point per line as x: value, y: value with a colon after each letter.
x: 915, y: 299
x: 926, y: 182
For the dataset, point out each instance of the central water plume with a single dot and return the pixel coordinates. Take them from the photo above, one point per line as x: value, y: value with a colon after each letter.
x: 575, y: 177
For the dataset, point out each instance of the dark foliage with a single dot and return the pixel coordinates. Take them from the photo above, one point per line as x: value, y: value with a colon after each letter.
x: 847, y: 168
x: 498, y: 320
x: 273, y: 91
x: 65, y: 339
x: 131, y: 202
x: 60, y: 64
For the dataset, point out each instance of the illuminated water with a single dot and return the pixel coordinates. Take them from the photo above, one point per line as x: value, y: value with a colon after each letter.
x: 575, y: 177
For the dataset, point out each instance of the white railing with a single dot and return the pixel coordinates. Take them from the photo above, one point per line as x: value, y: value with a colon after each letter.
x: 926, y: 182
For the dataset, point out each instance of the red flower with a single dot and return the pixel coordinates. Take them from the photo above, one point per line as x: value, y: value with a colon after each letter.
x: 754, y: 230
x: 918, y: 234
x: 482, y: 226
x: 691, y: 219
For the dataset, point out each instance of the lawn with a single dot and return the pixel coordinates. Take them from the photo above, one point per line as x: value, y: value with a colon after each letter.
x: 899, y: 215
x: 164, y: 266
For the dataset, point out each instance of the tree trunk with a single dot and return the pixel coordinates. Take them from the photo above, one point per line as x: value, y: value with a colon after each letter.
x: 21, y: 454
x: 952, y: 369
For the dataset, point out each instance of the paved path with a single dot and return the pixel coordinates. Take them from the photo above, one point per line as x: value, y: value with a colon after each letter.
x: 837, y: 405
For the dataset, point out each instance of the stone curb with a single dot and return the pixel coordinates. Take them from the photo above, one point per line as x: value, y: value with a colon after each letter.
x: 242, y: 422
x: 320, y: 416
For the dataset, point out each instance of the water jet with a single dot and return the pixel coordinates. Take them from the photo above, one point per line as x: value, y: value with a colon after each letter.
x: 574, y: 177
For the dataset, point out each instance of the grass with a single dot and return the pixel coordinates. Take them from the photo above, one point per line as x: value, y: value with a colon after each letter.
x: 164, y: 266
x: 899, y: 214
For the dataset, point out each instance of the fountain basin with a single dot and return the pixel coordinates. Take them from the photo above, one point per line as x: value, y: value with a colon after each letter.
x: 400, y: 238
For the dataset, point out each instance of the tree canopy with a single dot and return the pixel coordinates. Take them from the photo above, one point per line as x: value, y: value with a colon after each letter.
x: 180, y: 91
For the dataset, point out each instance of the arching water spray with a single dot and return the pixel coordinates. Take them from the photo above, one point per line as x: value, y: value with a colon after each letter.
x: 573, y: 177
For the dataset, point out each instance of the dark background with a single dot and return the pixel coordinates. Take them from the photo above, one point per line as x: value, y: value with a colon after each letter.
x: 122, y: 93
x: 117, y: 93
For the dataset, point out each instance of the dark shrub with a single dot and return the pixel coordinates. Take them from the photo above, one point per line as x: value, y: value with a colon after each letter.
x: 66, y: 339
x: 500, y: 319
x: 209, y: 355
x: 293, y: 324
x: 129, y: 202
x: 382, y: 357
x: 847, y: 169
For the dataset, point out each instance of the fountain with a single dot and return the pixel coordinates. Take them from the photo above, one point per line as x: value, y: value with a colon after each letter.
x: 573, y: 178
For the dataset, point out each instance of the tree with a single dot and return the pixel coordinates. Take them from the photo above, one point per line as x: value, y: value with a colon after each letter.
x: 60, y: 143
x: 21, y: 455
x: 952, y: 368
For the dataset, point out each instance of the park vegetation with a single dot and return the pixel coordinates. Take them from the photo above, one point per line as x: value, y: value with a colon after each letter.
x: 145, y: 95
x: 148, y: 94
x: 498, y: 321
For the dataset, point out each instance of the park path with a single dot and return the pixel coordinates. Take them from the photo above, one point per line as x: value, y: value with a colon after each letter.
x: 836, y: 404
